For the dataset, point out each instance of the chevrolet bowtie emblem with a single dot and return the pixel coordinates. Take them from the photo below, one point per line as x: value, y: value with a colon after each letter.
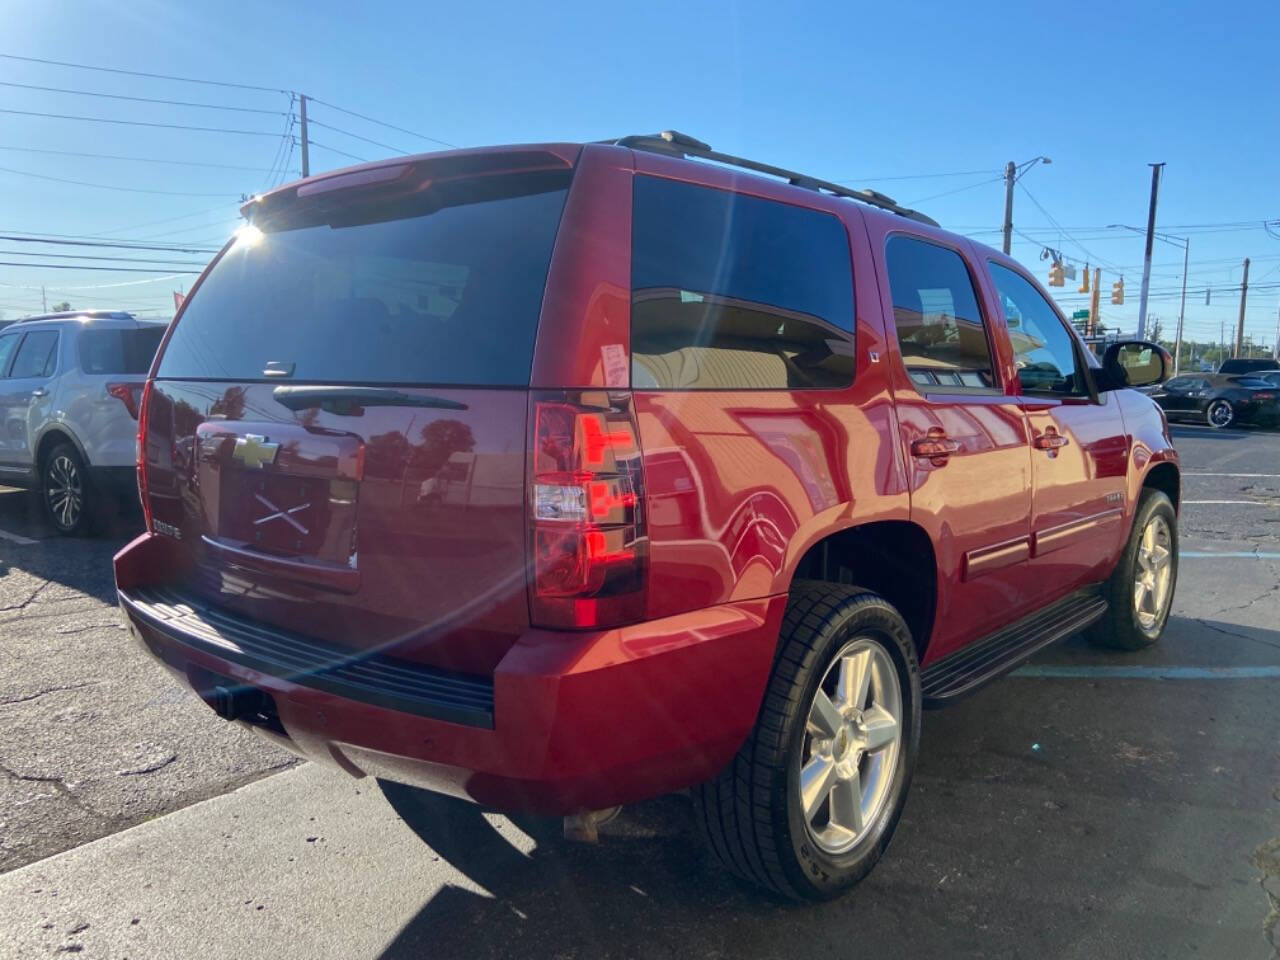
x: 253, y: 450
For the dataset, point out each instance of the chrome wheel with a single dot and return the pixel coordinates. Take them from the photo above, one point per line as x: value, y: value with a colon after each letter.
x: 64, y: 491
x: 1153, y: 573
x: 852, y: 739
x: 1220, y: 414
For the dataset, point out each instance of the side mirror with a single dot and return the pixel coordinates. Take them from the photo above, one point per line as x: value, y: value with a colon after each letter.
x: 1134, y: 363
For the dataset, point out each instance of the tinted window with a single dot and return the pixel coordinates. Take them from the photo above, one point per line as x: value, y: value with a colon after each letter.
x: 736, y: 292
x: 1254, y: 382
x: 1042, y: 347
x: 940, y: 330
x: 445, y: 288
x: 7, y: 344
x: 37, y: 355
x: 1178, y: 384
x: 119, y: 351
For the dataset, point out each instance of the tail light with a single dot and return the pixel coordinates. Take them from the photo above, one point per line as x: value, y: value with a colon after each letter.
x: 588, y: 536
x: 1264, y: 395
x: 127, y: 393
x: 141, y: 454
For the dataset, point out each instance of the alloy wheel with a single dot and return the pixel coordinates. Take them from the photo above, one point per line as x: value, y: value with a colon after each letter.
x: 1220, y: 414
x: 1153, y: 574
x: 64, y: 490
x: 852, y: 739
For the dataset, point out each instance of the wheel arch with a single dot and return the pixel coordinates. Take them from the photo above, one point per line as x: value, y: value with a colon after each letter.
x: 1165, y: 477
x: 894, y: 558
x: 50, y: 438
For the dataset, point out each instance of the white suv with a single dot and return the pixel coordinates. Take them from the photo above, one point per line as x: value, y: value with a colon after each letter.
x: 69, y: 390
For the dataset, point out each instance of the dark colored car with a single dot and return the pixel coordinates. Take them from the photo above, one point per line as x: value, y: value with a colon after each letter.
x: 1220, y: 400
x: 1247, y: 365
x: 557, y: 477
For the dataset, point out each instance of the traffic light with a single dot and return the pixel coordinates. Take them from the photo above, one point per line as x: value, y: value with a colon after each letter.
x: 1057, y: 276
x: 1084, y: 283
x: 1117, y: 291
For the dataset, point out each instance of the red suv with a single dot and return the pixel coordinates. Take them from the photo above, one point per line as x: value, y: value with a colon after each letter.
x: 562, y: 476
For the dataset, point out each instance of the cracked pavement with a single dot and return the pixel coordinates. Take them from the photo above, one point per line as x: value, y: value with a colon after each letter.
x: 1083, y: 817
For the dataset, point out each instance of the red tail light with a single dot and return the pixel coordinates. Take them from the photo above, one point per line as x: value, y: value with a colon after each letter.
x: 141, y: 414
x: 588, y: 536
x: 128, y: 394
x: 1264, y: 395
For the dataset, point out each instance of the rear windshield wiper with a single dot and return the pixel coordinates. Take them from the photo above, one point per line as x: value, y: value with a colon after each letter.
x: 348, y: 401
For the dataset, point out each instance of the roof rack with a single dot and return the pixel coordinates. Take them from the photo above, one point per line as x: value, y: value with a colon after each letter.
x: 676, y: 144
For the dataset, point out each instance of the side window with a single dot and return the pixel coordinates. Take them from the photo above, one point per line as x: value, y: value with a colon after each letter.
x: 731, y: 292
x: 37, y: 356
x: 1042, y: 347
x: 940, y: 330
x: 7, y: 343
x: 1178, y: 384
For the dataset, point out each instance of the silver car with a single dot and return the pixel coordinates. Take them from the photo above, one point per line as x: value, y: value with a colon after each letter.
x: 69, y: 390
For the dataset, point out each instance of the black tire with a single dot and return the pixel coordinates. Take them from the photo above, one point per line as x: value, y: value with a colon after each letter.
x: 1223, y: 411
x: 751, y: 813
x: 66, y: 491
x: 1121, y: 628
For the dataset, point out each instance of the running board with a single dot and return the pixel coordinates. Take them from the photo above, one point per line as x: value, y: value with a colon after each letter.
x: 966, y: 670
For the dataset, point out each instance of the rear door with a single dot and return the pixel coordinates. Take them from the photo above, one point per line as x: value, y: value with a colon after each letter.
x: 964, y: 437
x: 25, y: 397
x: 337, y: 427
x: 1080, y: 451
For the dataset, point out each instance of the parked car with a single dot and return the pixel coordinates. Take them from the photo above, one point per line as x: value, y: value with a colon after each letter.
x: 69, y: 390
x: 1247, y: 365
x: 1219, y: 400
x: 748, y: 532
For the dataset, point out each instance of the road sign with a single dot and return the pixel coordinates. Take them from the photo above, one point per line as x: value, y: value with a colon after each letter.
x: 1080, y: 315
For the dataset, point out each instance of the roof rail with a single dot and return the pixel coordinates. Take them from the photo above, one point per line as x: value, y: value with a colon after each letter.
x: 676, y: 144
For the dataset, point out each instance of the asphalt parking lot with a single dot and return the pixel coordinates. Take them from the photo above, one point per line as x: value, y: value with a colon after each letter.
x: 1091, y: 805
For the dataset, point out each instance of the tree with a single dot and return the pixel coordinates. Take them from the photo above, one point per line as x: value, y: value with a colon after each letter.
x: 62, y: 307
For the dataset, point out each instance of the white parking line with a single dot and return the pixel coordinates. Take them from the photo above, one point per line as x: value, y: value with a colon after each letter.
x: 1247, y: 503
x: 1198, y: 473
x: 15, y: 538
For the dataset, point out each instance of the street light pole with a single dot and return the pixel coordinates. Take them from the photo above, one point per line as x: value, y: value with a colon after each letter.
x: 1012, y: 174
x: 1182, y: 308
x: 1146, y: 262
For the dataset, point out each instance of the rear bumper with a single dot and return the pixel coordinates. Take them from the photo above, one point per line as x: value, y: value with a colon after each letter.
x: 578, y: 720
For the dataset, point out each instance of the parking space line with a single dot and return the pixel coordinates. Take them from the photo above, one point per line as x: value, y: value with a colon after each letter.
x: 1149, y: 673
x: 1250, y: 554
x: 1199, y: 473
x: 1247, y: 503
x: 16, y: 538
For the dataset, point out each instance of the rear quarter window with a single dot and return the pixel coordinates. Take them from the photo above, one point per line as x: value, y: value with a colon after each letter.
x: 445, y: 288
x: 119, y: 351
x: 733, y: 292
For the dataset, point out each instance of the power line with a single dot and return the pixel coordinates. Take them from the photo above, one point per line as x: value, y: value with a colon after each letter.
x: 1093, y: 258
x: 156, y: 223
x: 139, y: 73
x: 913, y: 176
x: 383, y: 123
x: 109, y: 186
x: 87, y: 256
x: 70, y: 266
x: 341, y: 153
x: 73, y: 241
x: 121, y: 96
x: 115, y: 156
x: 355, y: 136
x: 138, y: 123
x: 981, y: 183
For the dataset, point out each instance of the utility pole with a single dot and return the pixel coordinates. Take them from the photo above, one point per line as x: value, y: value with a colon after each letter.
x: 1093, y: 302
x: 1244, y: 293
x: 1151, y: 238
x: 306, y: 143
x: 1275, y: 350
x: 44, y: 301
x: 1182, y: 309
x: 1010, y: 177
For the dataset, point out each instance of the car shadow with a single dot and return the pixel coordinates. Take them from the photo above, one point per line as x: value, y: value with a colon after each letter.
x: 83, y: 563
x: 990, y: 831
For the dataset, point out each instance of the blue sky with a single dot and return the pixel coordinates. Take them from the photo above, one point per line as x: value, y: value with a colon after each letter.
x: 847, y: 91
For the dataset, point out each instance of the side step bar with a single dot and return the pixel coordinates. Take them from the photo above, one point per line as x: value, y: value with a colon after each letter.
x: 966, y: 670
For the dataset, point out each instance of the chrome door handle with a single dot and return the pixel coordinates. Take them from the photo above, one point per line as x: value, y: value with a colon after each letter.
x: 934, y: 445
x: 39, y: 392
x: 1050, y: 440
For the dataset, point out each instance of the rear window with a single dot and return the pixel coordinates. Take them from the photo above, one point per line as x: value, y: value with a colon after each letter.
x: 444, y: 288
x: 119, y: 351
x: 733, y: 292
